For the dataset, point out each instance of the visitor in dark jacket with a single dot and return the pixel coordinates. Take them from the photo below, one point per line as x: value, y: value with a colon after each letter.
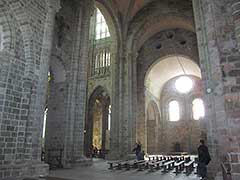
x: 137, y: 149
x: 204, y: 159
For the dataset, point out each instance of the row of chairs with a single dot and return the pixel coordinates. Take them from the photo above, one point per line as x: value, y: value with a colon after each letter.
x: 166, y: 163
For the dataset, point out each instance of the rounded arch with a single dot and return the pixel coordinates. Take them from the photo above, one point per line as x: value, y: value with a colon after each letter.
x: 167, y: 68
x: 163, y: 23
x: 170, y: 47
x: 149, y: 55
x: 162, y: 58
x: 163, y: 16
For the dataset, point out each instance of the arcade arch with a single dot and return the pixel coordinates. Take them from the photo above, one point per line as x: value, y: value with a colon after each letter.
x: 98, y: 123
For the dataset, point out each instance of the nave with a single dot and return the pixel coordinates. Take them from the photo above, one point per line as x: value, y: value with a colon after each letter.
x: 99, y: 170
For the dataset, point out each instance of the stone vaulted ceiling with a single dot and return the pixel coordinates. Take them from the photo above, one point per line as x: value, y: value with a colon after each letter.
x: 128, y: 8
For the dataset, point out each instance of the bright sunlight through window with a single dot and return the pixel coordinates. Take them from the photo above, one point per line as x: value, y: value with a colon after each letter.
x: 198, y: 109
x: 174, y: 111
x: 184, y: 84
x: 102, y: 30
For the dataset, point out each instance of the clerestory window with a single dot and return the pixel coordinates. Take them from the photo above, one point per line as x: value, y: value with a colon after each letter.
x: 174, y: 111
x: 102, y: 30
x: 101, y: 59
x: 198, y: 109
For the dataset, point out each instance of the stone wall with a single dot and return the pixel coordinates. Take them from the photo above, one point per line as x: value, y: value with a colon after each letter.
x: 21, y: 61
x: 187, y: 131
x: 219, y: 56
x: 27, y: 31
x: 69, y: 63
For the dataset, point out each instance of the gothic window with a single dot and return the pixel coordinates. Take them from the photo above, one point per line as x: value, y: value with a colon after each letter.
x: 101, y: 61
x: 174, y: 111
x: 198, y: 109
x: 101, y: 26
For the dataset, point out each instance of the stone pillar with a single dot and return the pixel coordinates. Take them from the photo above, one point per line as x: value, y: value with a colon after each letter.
x: 213, y: 22
x: 53, y: 8
x: 41, y: 92
x: 206, y: 13
x: 236, y: 19
x: 26, y: 157
x: 77, y: 87
x: 234, y: 156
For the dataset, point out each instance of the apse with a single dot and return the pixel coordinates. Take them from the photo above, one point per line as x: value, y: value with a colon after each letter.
x: 166, y: 69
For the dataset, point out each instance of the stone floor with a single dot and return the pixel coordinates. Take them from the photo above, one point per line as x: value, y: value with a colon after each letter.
x: 99, y: 171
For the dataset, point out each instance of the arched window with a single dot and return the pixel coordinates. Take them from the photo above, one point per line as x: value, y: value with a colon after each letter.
x: 109, y: 117
x: 198, y: 109
x: 102, y: 30
x: 44, y: 123
x: 101, y: 61
x: 1, y: 38
x: 174, y: 111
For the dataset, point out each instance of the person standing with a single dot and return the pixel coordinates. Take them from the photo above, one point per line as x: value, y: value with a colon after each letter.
x: 204, y: 159
x: 137, y: 150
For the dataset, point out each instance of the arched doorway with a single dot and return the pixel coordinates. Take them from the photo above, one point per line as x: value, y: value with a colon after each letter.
x: 98, y: 124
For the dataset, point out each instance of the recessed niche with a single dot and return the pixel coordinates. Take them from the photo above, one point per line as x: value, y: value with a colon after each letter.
x: 159, y: 46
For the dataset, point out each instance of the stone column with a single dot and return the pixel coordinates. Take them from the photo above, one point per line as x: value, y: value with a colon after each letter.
x: 212, y: 20
x: 42, y: 169
x: 205, y: 41
x: 53, y: 8
x: 236, y: 19
x: 105, y: 106
x: 77, y: 86
x: 234, y: 156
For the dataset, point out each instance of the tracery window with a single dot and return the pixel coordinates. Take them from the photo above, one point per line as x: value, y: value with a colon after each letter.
x: 174, y: 111
x: 102, y: 30
x: 101, y: 59
x: 198, y: 109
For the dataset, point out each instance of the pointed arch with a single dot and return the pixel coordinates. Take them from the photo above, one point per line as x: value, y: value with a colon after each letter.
x: 97, y: 121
